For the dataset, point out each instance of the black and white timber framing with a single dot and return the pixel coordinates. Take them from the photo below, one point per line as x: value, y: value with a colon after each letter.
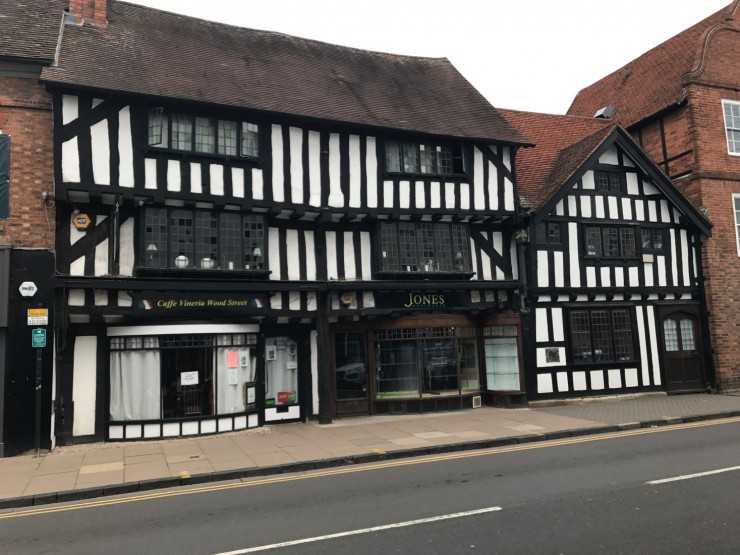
x: 566, y: 275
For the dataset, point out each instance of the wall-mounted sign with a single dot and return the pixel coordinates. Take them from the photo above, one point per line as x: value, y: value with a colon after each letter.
x: 198, y: 304
x: 81, y: 221
x: 422, y: 300
x: 189, y: 378
x: 28, y: 289
x: 38, y: 316
x: 38, y: 338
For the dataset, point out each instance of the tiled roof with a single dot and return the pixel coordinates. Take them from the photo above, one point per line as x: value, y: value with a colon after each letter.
x: 562, y: 145
x: 155, y: 53
x: 29, y: 29
x: 652, y: 82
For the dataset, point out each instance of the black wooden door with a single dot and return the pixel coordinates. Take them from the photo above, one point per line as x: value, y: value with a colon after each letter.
x: 683, y: 356
x: 350, y: 374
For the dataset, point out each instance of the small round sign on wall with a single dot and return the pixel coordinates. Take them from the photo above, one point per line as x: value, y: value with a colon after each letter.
x: 28, y: 289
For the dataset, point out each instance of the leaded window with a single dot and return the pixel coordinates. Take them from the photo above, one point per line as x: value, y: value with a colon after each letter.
x: 424, y: 247
x: 731, y: 111
x: 548, y: 233
x: 610, y: 241
x: 198, y: 239
x: 203, y: 135
x: 608, y: 181
x: 421, y: 158
x: 602, y: 335
x: 652, y: 240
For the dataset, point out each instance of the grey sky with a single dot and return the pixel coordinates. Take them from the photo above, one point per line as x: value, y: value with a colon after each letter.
x: 522, y: 54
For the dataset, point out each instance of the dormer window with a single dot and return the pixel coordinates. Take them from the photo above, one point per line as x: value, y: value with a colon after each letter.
x: 202, y: 135
x: 424, y: 158
x: 609, y: 181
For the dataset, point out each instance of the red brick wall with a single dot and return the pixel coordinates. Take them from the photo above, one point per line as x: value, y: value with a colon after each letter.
x: 678, y: 143
x: 26, y: 108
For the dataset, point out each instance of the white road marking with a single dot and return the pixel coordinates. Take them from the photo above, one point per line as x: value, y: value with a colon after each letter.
x: 697, y: 475
x: 361, y: 531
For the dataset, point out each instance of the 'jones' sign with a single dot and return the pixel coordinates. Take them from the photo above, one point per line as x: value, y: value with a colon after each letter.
x: 431, y: 300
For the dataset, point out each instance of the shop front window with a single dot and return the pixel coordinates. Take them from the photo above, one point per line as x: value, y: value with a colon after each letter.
x: 421, y: 361
x: 281, y: 371
x: 178, y: 376
x: 500, y: 345
x: 349, y: 353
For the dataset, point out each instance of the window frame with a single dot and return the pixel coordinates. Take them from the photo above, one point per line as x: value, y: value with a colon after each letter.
x: 731, y: 128
x: 224, y: 235
x: 611, y: 328
x: 453, y: 258
x: 603, y: 239
x: 610, y: 173
x: 652, y: 249
x: 545, y: 231
x: 736, y: 211
x: 403, y: 146
x: 246, y: 133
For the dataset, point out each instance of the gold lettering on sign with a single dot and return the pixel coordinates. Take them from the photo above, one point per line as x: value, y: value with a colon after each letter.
x: 417, y: 300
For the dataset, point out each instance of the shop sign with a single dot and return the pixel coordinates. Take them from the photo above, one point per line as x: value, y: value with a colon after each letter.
x: 422, y: 300
x: 183, y: 304
x: 81, y: 222
x: 284, y: 397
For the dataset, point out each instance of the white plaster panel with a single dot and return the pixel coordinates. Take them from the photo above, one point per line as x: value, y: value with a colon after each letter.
x: 84, y: 385
x: 575, y: 267
x: 276, y: 302
x: 609, y: 157
x: 278, y: 176
x: 100, y: 297
x: 296, y: 165
x: 485, y: 261
x: 541, y: 354
x: 151, y: 430
x: 662, y: 270
x: 479, y: 197
x: 404, y: 194
x: 331, y: 255
x: 367, y: 251
x: 572, y: 205
x: 464, y: 196
x: 258, y: 184
x: 559, y: 208
x: 292, y: 253
x: 579, y: 381
x: 626, y: 209
x: 650, y: 188
x: 314, y: 168
x: 498, y: 245
x: 124, y: 299
x: 125, y: 149
x: 71, y: 161
x: 474, y: 261
x: 100, y: 145
x: 237, y: 182
x: 150, y: 173
x: 654, y: 341
x: 634, y: 276
x: 615, y: 379
x: 630, y: 377
x: 336, y: 197
x: 562, y: 378
x: 619, y: 276
x: 273, y: 242
x: 613, y: 208
x: 294, y: 300
x: 133, y: 431
x: 174, y: 179
x: 76, y: 297
x: 272, y: 415
x: 435, y: 194
x: 559, y: 269
x: 196, y: 180
x: 541, y: 334
x: 388, y: 194
x: 686, y: 257
x: 586, y: 207
x: 368, y: 299
x: 419, y: 193
x: 605, y: 277
x: 349, y: 256
x: 665, y: 211
x: 652, y: 211
x: 640, y: 210
x: 492, y: 186
x: 508, y: 195
x: 599, y: 204
x: 557, y: 325
x: 506, y: 155
x: 543, y: 269
x: 310, y: 256
x: 189, y: 428
x: 449, y: 195
x: 597, y: 379
x: 70, y: 109
x: 590, y: 276
x: 544, y: 383
x: 77, y: 268
x: 371, y: 165
x: 633, y: 187
x: 587, y: 181
x: 216, y: 172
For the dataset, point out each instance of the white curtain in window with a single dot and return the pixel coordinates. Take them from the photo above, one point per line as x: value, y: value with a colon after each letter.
x: 234, y: 367
x: 135, y: 385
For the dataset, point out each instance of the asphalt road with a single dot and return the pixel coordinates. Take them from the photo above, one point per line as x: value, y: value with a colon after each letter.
x: 576, y: 496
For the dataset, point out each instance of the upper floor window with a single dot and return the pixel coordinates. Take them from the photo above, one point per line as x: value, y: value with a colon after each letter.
x: 602, y: 335
x: 176, y: 238
x: 731, y: 110
x: 736, y: 205
x: 186, y: 132
x: 652, y: 240
x: 610, y: 241
x: 435, y: 159
x: 608, y: 181
x: 424, y: 247
x: 548, y: 233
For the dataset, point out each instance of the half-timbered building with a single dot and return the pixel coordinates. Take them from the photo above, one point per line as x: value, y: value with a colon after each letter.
x: 614, y: 282
x: 680, y: 101
x: 254, y: 227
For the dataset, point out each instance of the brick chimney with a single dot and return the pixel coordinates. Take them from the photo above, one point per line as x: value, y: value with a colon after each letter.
x: 89, y: 11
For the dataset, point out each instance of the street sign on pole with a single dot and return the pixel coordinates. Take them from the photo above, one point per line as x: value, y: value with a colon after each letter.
x: 38, y: 338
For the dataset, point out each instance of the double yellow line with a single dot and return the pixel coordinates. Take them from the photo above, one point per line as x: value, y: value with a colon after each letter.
x: 278, y: 479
